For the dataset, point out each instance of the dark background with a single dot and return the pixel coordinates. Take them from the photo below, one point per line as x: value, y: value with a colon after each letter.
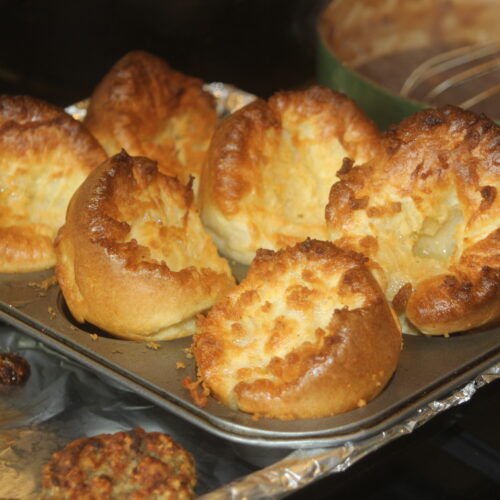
x: 58, y: 51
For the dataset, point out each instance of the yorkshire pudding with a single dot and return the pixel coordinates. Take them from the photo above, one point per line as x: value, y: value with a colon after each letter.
x: 133, y: 258
x: 147, y: 108
x: 426, y: 212
x: 44, y: 156
x: 307, y: 334
x: 270, y: 165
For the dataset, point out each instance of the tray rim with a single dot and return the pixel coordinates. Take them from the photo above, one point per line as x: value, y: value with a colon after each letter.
x: 234, y: 432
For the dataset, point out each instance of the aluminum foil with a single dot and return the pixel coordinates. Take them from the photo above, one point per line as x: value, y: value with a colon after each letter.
x: 63, y: 401
x: 227, y: 100
x: 303, y: 467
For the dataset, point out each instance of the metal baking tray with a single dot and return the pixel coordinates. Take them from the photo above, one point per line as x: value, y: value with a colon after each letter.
x: 429, y: 368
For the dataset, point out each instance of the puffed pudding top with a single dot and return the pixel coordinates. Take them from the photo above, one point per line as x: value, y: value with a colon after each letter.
x: 426, y: 212
x: 133, y: 257
x: 307, y: 334
x: 45, y: 155
x: 271, y: 164
x: 144, y: 106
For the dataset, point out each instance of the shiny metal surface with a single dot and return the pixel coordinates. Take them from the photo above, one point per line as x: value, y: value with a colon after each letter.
x: 429, y: 369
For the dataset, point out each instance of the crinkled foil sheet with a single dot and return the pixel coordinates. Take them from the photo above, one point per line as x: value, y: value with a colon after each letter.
x: 63, y: 401
x: 303, y: 467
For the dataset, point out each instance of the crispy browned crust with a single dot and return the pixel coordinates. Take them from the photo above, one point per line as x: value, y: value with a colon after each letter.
x: 44, y: 156
x: 307, y: 334
x: 145, y: 107
x: 132, y: 464
x: 14, y: 371
x: 132, y: 257
x: 427, y: 213
x: 270, y: 165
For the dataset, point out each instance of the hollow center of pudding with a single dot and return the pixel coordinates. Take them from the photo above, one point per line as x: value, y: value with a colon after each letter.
x: 298, y: 174
x: 172, y: 233
x: 413, y: 245
x: 438, y: 240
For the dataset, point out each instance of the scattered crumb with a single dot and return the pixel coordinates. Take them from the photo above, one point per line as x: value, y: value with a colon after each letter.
x: 361, y: 403
x: 94, y: 336
x: 52, y: 312
x: 44, y: 285
x: 116, y: 351
x: 255, y: 417
x: 200, y: 397
x: 180, y: 365
x: 188, y: 352
x: 153, y: 345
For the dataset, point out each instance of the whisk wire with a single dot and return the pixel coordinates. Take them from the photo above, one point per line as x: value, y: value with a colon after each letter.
x: 450, y: 60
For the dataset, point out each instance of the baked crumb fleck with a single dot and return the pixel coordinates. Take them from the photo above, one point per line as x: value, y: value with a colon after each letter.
x: 179, y: 365
x: 116, y: 351
x: 94, y: 336
x: 361, y: 403
x: 188, y: 352
x: 43, y: 285
x: 52, y: 312
x: 153, y: 345
x: 14, y: 371
x: 198, y: 390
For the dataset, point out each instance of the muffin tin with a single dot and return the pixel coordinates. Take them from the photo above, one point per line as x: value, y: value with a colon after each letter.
x: 429, y: 368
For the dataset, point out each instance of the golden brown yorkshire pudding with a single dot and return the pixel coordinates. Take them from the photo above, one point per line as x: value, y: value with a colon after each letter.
x: 427, y: 214
x: 271, y: 164
x: 133, y: 257
x: 44, y: 156
x: 307, y: 334
x: 145, y: 107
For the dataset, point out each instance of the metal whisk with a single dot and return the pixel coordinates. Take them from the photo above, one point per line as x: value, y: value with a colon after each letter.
x: 452, y: 69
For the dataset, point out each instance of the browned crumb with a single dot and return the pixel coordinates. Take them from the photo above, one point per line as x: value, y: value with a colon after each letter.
x: 43, y: 285
x: 188, y: 352
x: 52, y: 312
x: 255, y: 417
x: 153, y: 345
x: 116, y: 351
x: 14, y: 371
x: 180, y: 365
x: 94, y: 336
x: 361, y: 403
x: 199, y: 398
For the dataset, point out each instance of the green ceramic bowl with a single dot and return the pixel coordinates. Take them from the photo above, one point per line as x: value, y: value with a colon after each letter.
x: 384, y: 107
x: 353, y: 33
